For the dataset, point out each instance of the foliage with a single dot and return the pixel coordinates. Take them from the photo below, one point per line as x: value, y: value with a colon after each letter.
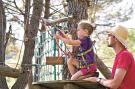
x: 105, y: 53
x: 131, y: 40
x: 113, y: 12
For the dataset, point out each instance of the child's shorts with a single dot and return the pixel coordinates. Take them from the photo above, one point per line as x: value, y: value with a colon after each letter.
x: 91, y: 69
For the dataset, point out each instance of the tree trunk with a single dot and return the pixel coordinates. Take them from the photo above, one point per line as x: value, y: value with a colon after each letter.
x: 26, y: 77
x: 103, y: 68
x: 3, y: 84
x: 77, y: 9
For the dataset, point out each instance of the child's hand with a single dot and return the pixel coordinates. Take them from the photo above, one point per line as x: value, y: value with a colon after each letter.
x: 57, y: 36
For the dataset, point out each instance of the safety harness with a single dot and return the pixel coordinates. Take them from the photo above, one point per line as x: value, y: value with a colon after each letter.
x: 83, y: 63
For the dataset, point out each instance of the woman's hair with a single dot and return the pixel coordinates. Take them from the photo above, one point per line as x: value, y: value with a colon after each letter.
x: 85, y: 24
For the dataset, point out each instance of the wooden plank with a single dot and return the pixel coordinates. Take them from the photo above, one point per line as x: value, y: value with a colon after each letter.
x: 72, y: 86
x: 54, y: 60
x: 60, y: 84
x: 38, y: 87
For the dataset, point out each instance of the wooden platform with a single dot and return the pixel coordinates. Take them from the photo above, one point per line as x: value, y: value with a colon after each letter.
x: 54, y: 60
x: 66, y: 84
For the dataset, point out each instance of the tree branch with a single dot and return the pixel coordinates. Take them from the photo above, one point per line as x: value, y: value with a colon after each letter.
x: 57, y: 21
x: 18, y: 8
x: 9, y: 72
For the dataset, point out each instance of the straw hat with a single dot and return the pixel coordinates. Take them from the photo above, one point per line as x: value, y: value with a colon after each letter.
x: 121, y: 33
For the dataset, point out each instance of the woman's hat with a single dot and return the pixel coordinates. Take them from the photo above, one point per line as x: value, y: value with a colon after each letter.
x: 121, y: 33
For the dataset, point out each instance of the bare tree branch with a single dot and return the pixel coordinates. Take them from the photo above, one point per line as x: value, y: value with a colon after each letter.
x: 13, y: 8
x: 57, y: 11
x: 18, y: 8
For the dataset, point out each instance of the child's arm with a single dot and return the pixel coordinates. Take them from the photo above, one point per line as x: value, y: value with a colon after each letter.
x: 68, y: 41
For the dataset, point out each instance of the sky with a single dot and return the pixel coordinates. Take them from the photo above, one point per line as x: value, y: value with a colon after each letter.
x: 127, y: 4
x: 123, y: 8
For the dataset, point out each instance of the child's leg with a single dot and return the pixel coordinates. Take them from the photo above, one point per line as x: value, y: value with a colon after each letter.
x: 77, y: 75
x: 72, y: 65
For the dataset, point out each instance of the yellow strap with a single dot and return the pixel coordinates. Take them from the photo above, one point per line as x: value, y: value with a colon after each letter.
x: 85, y: 66
x: 83, y: 58
x: 84, y: 53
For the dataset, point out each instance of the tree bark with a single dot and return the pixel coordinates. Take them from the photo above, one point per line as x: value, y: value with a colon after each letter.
x: 26, y: 77
x: 103, y: 68
x: 77, y: 9
x: 3, y: 84
x: 9, y: 72
x: 57, y: 21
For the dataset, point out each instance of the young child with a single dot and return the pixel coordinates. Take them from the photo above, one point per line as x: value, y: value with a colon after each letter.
x: 85, y: 59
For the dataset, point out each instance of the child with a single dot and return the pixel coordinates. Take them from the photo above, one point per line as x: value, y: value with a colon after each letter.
x: 85, y: 59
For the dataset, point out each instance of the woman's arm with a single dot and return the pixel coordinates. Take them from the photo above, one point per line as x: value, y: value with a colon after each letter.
x: 116, y: 82
x: 111, y: 83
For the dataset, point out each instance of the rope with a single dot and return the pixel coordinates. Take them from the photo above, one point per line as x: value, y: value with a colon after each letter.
x: 53, y: 37
x: 24, y: 64
x: 58, y: 44
x: 19, y: 55
x: 34, y: 38
x: 33, y: 64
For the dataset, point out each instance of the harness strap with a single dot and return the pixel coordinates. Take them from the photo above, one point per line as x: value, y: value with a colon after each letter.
x: 87, y: 66
x: 91, y: 68
x: 85, y: 52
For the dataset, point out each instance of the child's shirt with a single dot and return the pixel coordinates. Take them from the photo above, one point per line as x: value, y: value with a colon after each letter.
x: 85, y: 45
